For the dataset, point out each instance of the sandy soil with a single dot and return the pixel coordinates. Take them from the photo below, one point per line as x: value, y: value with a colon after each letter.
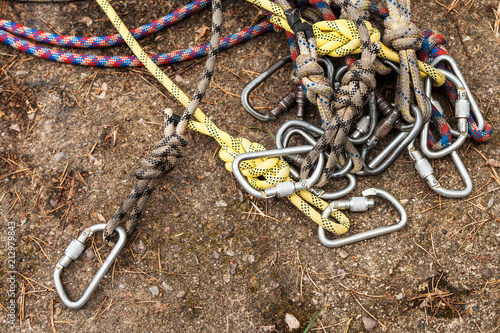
x: 201, y: 259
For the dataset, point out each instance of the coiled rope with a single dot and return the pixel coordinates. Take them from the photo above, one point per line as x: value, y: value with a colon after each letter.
x: 165, y: 152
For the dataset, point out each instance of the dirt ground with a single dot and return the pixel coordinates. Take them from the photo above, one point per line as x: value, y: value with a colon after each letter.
x: 201, y: 258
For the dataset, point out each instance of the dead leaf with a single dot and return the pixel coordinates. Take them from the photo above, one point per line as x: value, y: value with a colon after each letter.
x: 201, y: 32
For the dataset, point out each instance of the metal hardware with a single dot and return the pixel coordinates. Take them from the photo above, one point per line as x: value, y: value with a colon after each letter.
x: 306, y: 130
x: 426, y: 172
x: 300, y: 99
x: 283, y: 142
x: 73, y: 252
x: 478, y: 116
x: 286, y: 103
x: 384, y: 165
x: 326, y: 63
x: 281, y: 189
x: 462, y: 111
x: 362, y: 204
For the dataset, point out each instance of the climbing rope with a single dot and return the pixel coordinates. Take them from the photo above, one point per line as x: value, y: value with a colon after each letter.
x: 165, y: 152
x: 338, y: 39
x: 403, y: 35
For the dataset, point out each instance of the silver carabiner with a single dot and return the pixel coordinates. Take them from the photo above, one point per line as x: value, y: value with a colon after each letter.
x: 462, y: 111
x: 245, y: 94
x: 306, y: 130
x: 426, y: 172
x: 361, y: 204
x: 283, y: 142
x: 478, y: 116
x: 281, y: 189
x: 73, y: 252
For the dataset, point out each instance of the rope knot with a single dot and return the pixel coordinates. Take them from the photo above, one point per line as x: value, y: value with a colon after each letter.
x: 357, y: 84
x: 313, y: 78
x: 403, y: 35
x: 165, y: 153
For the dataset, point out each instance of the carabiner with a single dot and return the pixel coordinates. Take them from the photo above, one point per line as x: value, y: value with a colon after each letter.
x: 361, y: 204
x: 281, y: 189
x: 73, y: 252
x: 295, y: 173
x: 245, y: 94
x: 306, y: 130
x: 426, y: 172
x: 383, y: 166
x: 478, y: 116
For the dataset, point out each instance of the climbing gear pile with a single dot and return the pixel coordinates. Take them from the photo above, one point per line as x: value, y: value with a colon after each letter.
x: 337, y: 149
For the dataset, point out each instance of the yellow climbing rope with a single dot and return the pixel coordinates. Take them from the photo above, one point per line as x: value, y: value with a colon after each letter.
x: 340, y: 38
x: 274, y: 170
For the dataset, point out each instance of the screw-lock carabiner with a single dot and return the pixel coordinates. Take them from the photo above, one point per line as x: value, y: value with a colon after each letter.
x: 462, y: 111
x: 73, y: 252
x: 426, y: 172
x: 478, y: 116
x: 361, y: 204
x: 281, y: 189
x: 245, y: 94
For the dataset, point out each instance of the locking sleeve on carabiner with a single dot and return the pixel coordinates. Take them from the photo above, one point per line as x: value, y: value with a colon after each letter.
x: 361, y: 204
x: 73, y: 252
x: 283, y: 189
x: 426, y: 172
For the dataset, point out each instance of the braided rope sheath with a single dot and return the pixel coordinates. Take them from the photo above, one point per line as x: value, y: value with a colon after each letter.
x: 169, y: 147
x: 165, y: 153
x: 433, y: 45
x: 357, y: 84
x: 128, y: 61
x: 344, y: 40
x: 404, y: 36
x: 104, y: 41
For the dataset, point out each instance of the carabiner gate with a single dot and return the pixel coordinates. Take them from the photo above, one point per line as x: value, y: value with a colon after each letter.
x: 73, y: 252
x: 361, y: 204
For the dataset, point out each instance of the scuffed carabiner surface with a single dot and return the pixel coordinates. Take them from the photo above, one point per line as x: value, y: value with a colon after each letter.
x: 362, y: 204
x: 73, y: 252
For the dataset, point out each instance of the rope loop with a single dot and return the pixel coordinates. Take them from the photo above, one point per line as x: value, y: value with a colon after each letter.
x: 403, y: 37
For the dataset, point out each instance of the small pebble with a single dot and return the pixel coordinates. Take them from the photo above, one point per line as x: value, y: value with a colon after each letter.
x: 15, y: 127
x: 226, y: 278
x: 221, y: 203
x: 87, y: 21
x: 89, y: 253
x: 466, y: 39
x: 369, y: 323
x: 233, y: 268
x: 267, y: 328
x: 399, y: 296
x: 230, y: 253
x: 291, y: 321
x: 61, y: 155
x: 165, y: 286
x: 343, y: 253
x: 490, y: 202
x: 215, y: 255
x: 181, y: 294
x: 155, y: 291
x: 139, y: 247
